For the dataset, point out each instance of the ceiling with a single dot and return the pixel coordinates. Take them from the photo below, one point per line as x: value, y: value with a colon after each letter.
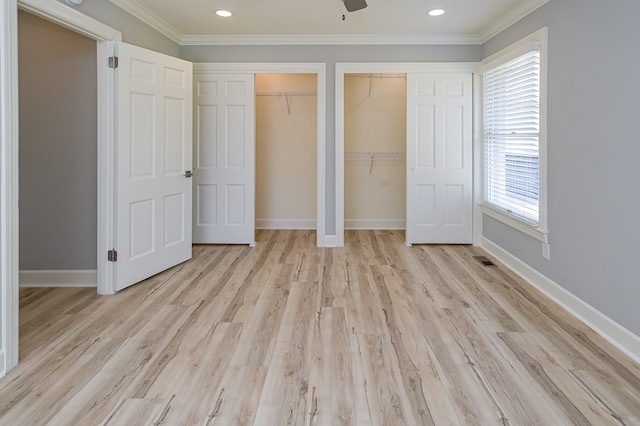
x: 397, y: 22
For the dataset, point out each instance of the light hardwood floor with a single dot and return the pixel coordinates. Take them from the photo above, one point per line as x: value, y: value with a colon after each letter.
x: 285, y: 333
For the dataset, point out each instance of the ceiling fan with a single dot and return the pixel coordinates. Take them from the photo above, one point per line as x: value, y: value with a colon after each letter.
x: 353, y: 5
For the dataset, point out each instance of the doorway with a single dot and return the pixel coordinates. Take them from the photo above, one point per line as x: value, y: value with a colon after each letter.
x: 286, y: 153
x: 375, y: 131
x: 439, y: 160
x: 9, y: 279
x: 225, y: 174
x: 58, y: 155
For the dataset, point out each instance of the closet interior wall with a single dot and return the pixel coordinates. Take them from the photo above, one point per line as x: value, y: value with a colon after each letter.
x: 58, y: 151
x: 286, y: 151
x: 375, y: 151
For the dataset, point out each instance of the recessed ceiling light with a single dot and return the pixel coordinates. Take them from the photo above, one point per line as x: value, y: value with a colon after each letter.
x: 223, y: 13
x: 436, y: 12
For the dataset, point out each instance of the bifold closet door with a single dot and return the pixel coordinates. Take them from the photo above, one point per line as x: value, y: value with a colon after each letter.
x: 439, y: 158
x: 224, y: 159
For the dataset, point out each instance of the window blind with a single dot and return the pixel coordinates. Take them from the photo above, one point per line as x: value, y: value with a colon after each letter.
x: 512, y: 136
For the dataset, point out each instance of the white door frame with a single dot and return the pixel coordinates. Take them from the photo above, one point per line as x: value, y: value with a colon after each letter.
x: 8, y: 185
x: 343, y: 68
x: 322, y: 240
x: 105, y: 37
x: 69, y: 18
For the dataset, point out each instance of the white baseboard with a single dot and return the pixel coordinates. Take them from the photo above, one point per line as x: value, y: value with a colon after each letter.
x: 369, y: 224
x: 285, y: 224
x: 59, y: 278
x: 616, y: 334
x: 330, y: 241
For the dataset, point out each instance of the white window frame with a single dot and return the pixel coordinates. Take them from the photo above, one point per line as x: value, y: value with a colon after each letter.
x: 539, y: 231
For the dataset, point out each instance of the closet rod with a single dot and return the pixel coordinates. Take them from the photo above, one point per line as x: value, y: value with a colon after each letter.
x: 385, y: 155
x: 372, y: 156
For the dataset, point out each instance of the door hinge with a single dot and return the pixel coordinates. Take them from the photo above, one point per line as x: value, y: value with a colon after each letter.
x: 112, y: 256
x: 113, y: 62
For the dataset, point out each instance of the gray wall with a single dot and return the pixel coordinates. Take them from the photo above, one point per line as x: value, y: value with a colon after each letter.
x: 330, y: 55
x: 133, y: 31
x: 58, y: 147
x: 594, y: 154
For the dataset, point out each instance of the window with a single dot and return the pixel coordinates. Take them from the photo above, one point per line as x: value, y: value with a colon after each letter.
x: 513, y: 136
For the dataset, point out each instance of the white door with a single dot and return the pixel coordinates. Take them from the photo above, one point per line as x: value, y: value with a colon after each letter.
x: 224, y: 159
x: 439, y: 158
x: 154, y: 154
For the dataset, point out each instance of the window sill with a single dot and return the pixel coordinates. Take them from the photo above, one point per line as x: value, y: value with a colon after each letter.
x: 538, y: 233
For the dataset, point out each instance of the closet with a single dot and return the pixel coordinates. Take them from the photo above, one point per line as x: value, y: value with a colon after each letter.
x: 375, y: 128
x: 286, y: 151
x: 58, y: 154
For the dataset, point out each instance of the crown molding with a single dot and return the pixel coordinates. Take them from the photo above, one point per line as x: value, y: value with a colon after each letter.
x: 154, y: 21
x: 510, y: 18
x: 365, y: 39
x: 145, y: 15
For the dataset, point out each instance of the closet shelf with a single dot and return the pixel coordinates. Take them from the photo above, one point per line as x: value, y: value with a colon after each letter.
x: 285, y: 94
x: 377, y: 76
x: 353, y: 155
x: 372, y: 76
x: 373, y: 156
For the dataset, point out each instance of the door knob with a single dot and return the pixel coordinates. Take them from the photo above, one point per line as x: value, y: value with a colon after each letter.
x: 188, y: 174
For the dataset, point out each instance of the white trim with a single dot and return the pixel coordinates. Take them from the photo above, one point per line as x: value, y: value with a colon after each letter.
x: 329, y: 40
x: 106, y: 168
x: 140, y: 12
x: 535, y: 41
x: 405, y: 67
x: 510, y: 18
x: 9, y: 249
x: 70, y: 18
x: 542, y: 144
x: 59, y: 278
x: 321, y: 152
x: 77, y: 22
x: 370, y: 224
x: 322, y: 240
x: 477, y: 159
x: 343, y: 68
x: 261, y: 68
x: 333, y: 241
x: 616, y: 334
x: 538, y: 233
x: 286, y: 224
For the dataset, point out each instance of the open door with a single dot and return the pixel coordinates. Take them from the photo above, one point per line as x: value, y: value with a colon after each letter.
x: 153, y: 163
x: 224, y: 174
x: 439, y: 158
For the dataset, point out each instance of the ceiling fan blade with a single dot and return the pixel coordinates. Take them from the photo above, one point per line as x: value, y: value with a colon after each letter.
x: 353, y: 5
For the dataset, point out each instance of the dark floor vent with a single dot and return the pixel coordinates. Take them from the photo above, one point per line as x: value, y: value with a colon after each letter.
x: 484, y: 260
